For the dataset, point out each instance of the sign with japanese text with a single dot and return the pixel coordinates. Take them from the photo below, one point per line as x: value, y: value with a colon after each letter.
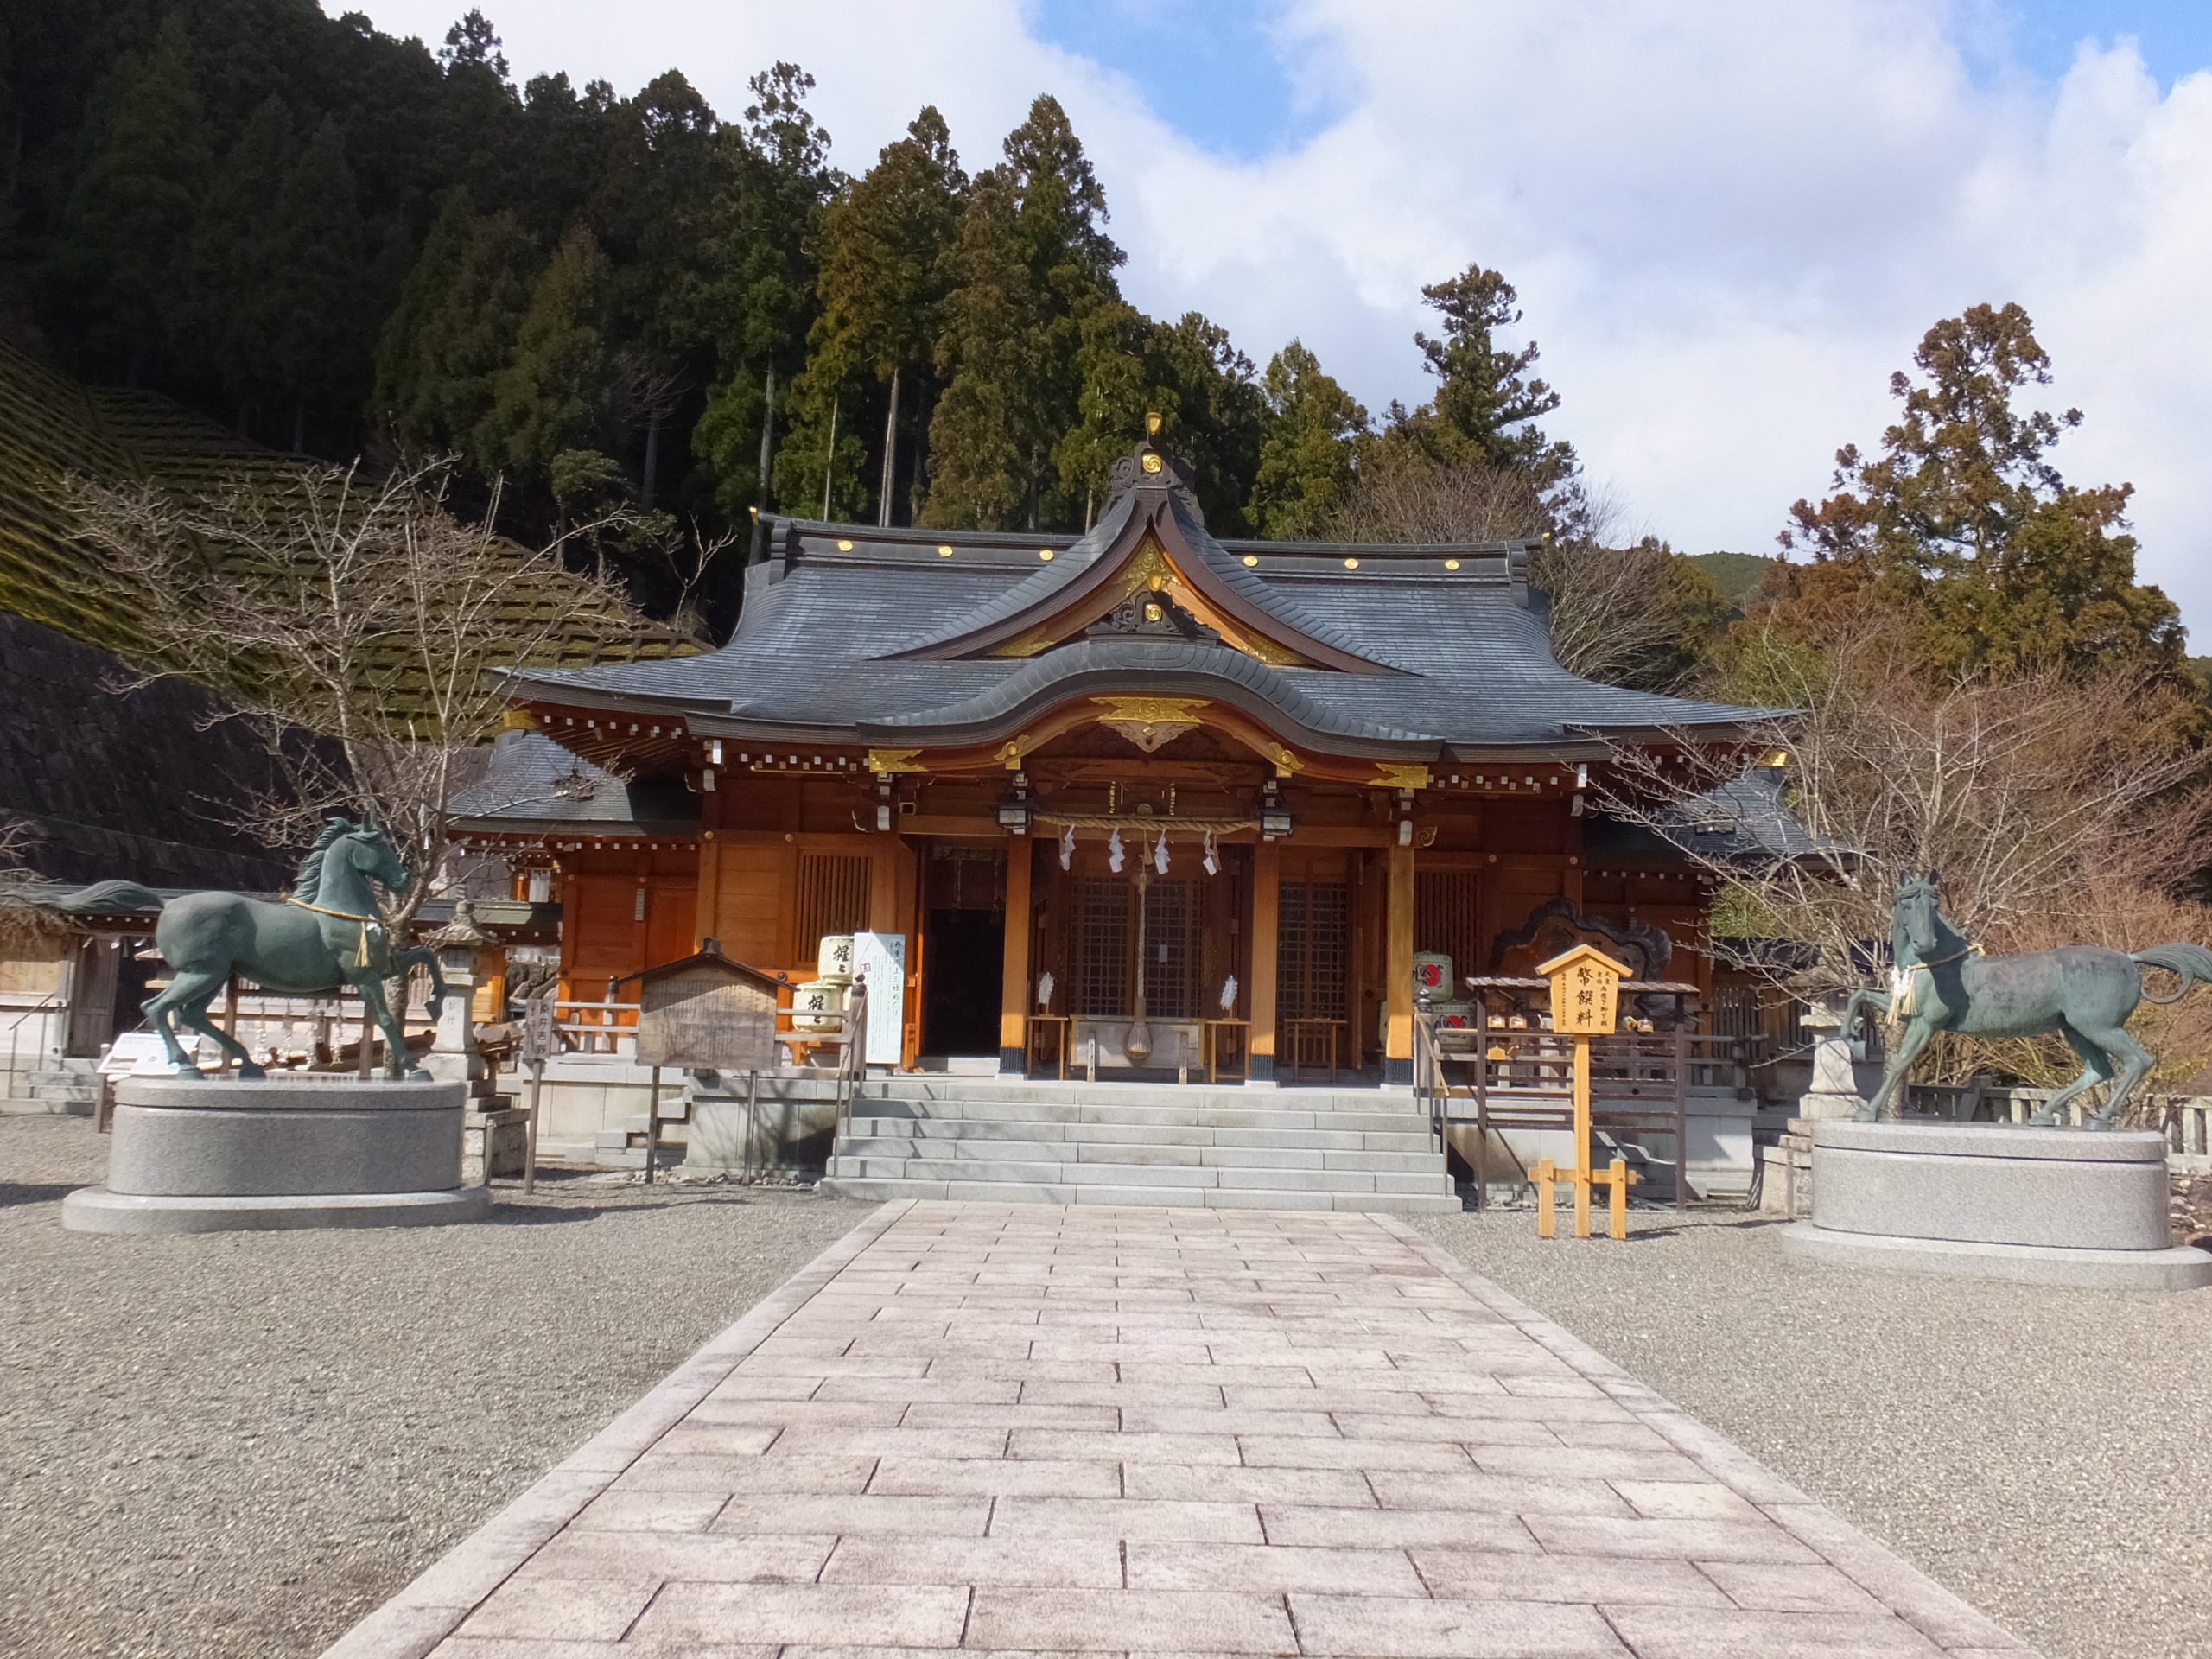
x: 1586, y: 991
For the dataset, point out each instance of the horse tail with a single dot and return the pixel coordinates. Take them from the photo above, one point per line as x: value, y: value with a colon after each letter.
x: 2192, y: 962
x: 108, y: 899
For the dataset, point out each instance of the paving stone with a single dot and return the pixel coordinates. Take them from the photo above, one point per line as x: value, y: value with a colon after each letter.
x: 667, y: 1469
x: 916, y: 1617
x: 1391, y: 1627
x: 544, y: 1609
x: 1770, y: 1587
x: 1706, y: 1633
x: 1478, y: 1574
x: 930, y: 1517
x: 1080, y: 1621
x: 1007, y: 1477
x: 1137, y: 1429
x: 1088, y: 1563
x: 1158, y: 1565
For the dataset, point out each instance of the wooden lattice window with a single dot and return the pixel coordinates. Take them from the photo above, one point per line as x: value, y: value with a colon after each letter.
x: 832, y: 897
x: 1447, y: 917
x: 1313, y: 949
x: 1171, y: 948
x: 1104, y: 918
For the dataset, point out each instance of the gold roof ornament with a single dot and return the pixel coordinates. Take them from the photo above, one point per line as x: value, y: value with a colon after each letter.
x: 1152, y: 424
x: 883, y: 762
x: 1151, y: 723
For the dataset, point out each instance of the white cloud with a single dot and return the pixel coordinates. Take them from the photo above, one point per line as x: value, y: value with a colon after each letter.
x: 1728, y: 222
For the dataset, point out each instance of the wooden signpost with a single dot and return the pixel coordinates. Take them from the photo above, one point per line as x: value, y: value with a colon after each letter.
x: 704, y: 1011
x: 541, y: 1041
x: 1585, y: 1003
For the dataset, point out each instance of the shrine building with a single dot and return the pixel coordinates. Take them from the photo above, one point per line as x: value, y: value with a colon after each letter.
x: 1141, y: 799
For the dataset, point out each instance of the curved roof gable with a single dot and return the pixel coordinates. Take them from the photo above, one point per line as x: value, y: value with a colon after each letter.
x: 1151, y: 539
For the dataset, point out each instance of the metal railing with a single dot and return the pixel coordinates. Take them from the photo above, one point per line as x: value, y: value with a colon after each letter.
x: 1640, y: 1085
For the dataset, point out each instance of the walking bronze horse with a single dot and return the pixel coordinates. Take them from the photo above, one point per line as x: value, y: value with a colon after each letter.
x: 325, y: 934
x: 1941, y: 980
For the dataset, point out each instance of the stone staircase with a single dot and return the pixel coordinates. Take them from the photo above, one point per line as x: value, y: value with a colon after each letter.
x: 1129, y: 1143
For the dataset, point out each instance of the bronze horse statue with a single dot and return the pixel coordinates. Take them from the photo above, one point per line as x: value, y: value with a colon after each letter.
x: 324, y: 935
x: 1941, y: 980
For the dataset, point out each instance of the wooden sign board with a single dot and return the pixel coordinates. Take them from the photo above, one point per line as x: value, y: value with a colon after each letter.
x: 707, y: 1012
x: 541, y: 1039
x: 880, y: 958
x: 1586, y: 991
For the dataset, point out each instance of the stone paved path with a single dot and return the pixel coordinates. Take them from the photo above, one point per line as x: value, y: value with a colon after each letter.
x: 1028, y: 1429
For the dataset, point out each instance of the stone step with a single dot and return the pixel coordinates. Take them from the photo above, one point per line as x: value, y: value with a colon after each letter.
x: 1176, y: 1114
x: 1408, y: 1139
x: 879, y: 1189
x: 1075, y: 1092
x: 1062, y: 1151
x: 1185, y: 1177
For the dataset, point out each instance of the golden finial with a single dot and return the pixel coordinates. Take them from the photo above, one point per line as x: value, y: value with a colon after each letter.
x: 1151, y: 424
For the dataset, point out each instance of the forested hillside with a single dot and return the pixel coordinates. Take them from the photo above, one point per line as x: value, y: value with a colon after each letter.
x: 334, y: 240
x: 637, y: 308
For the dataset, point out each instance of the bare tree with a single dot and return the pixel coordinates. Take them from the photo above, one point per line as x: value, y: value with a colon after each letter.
x: 359, y: 626
x: 2055, y: 807
x: 1622, y: 611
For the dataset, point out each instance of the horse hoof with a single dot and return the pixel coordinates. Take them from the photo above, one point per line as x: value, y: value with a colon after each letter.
x: 418, y: 1075
x: 250, y: 1073
x: 2043, y: 1120
x: 2095, y: 1124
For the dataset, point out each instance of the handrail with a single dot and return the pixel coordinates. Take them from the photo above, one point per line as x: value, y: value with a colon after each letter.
x: 852, y: 1064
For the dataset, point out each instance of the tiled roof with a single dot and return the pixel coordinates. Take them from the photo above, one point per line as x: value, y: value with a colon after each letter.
x: 831, y: 618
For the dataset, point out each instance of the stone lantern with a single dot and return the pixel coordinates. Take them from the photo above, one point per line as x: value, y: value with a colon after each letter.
x: 459, y: 944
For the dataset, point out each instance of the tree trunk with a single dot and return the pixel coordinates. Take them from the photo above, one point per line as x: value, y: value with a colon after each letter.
x: 829, y: 461
x: 890, y: 456
x: 767, y: 451
x: 653, y: 460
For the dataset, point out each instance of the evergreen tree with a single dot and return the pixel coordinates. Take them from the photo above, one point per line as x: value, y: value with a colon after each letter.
x: 455, y: 329
x: 1214, y: 413
x: 320, y: 338
x: 1963, y: 522
x: 882, y: 252
x: 1488, y: 399
x: 119, y: 251
x: 1031, y: 264
x: 1307, y: 457
x: 553, y: 396
x: 757, y: 311
x: 233, y: 303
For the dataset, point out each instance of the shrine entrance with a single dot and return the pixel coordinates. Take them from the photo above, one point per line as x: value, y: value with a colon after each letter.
x: 963, y: 932
x: 1142, y: 960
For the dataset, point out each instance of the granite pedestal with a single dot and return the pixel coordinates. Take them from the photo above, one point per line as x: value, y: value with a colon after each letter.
x: 218, y: 1156
x: 1990, y: 1201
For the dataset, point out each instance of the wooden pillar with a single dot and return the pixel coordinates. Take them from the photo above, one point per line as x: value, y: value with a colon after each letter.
x: 706, y: 906
x: 1014, y: 974
x: 1398, y: 968
x: 883, y: 911
x: 1266, y: 892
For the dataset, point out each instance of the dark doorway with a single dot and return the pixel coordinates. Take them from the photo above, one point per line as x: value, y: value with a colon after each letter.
x: 963, y: 949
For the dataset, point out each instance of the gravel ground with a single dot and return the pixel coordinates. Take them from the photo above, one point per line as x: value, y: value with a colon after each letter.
x: 2042, y: 1452
x: 239, y: 1443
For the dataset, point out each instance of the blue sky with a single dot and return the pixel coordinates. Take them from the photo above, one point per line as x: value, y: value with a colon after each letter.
x: 1231, y: 79
x: 1728, y: 221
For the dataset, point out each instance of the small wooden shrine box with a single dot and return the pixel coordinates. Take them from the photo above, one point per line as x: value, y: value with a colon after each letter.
x: 706, y: 1011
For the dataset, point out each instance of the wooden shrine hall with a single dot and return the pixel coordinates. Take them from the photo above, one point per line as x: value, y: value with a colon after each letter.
x: 1141, y: 799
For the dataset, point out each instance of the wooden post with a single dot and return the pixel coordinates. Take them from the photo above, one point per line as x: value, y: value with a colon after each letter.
x: 530, y: 1148
x: 1547, y: 1174
x: 1616, y: 1201
x: 1581, y: 1171
x: 1398, y: 968
x: 1266, y: 892
x: 753, y: 1122
x: 1013, y: 971
x: 653, y: 1125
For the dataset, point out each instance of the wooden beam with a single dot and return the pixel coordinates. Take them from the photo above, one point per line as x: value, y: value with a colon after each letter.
x: 1014, y: 980
x: 1266, y: 892
x: 1398, y: 967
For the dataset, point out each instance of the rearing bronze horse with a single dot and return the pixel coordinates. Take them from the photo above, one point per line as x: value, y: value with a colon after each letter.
x: 1941, y: 982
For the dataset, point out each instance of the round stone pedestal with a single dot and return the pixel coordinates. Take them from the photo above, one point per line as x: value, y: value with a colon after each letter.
x: 1986, y: 1201
x: 218, y: 1156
